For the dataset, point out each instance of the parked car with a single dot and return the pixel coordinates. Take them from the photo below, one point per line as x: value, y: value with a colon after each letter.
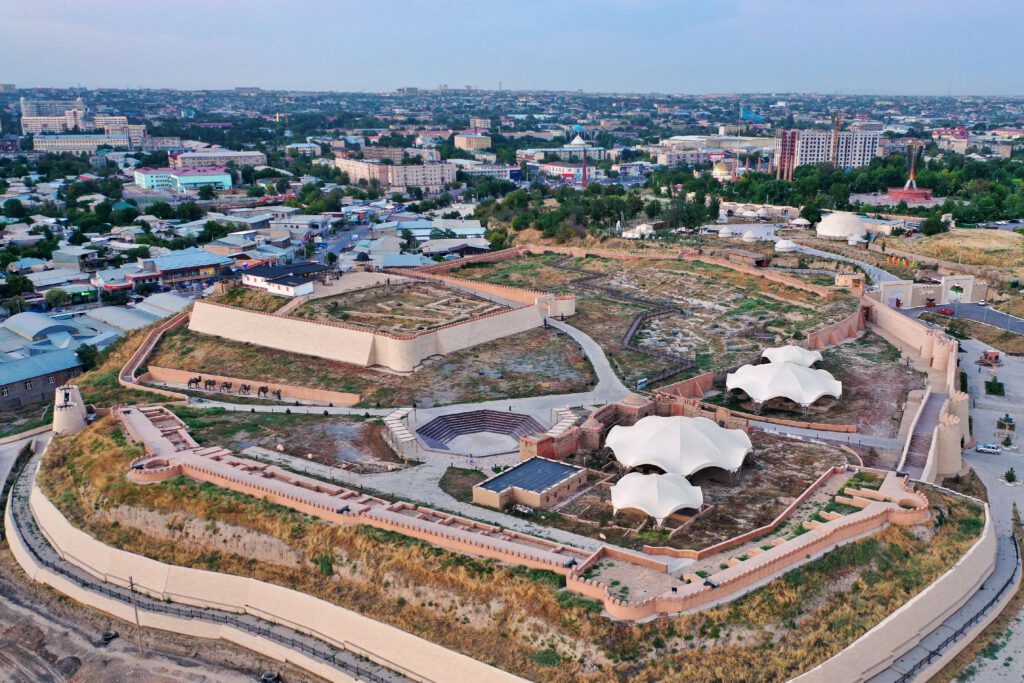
x: 990, y: 448
x: 945, y: 311
x: 983, y: 303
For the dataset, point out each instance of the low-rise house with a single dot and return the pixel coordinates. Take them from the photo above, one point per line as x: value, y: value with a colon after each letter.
x: 77, y: 258
x: 289, y: 280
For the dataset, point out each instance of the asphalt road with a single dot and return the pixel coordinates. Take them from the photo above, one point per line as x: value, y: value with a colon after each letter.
x: 986, y: 314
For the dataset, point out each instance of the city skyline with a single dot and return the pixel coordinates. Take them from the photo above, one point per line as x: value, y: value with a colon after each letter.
x: 619, y: 46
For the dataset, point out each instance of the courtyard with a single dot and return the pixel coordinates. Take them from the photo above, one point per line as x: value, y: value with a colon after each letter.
x: 398, y: 308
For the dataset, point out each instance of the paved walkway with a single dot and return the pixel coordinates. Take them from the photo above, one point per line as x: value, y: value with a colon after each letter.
x: 418, y: 484
x: 345, y: 661
x: 1002, y: 498
x: 822, y: 435
x: 874, y: 272
x: 9, y: 453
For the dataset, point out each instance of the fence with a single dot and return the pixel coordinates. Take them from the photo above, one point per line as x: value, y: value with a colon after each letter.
x: 911, y: 673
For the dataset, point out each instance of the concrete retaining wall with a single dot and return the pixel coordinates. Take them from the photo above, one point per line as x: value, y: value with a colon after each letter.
x: 903, y: 629
x: 242, y: 595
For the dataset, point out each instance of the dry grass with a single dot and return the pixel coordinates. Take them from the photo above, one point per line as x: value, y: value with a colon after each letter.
x: 100, y: 386
x: 251, y: 299
x: 532, y: 363
x: 997, y: 338
x: 513, y: 618
x: 978, y: 247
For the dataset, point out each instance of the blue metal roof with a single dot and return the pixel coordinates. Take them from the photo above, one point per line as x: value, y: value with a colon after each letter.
x: 192, y: 257
x: 35, y: 366
x: 535, y: 474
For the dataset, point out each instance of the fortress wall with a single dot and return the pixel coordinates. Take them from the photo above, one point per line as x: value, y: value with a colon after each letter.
x: 385, y: 644
x: 897, y: 633
x: 481, y: 330
x: 349, y: 344
x: 836, y: 333
x: 344, y: 344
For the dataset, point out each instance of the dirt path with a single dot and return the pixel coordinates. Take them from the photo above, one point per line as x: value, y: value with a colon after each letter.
x: 48, y: 638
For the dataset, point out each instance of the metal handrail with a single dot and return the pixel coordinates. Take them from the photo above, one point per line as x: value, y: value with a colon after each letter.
x: 326, y: 653
x: 956, y: 635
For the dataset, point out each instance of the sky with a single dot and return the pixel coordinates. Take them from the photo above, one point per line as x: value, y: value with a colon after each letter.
x: 671, y: 46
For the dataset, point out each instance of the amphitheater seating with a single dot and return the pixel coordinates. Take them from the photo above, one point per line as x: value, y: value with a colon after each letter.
x: 441, y: 430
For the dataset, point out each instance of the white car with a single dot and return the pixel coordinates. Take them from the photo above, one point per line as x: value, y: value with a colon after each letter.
x: 983, y: 303
x: 989, y: 448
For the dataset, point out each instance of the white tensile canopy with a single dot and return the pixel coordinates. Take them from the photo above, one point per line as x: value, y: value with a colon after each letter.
x: 749, y: 236
x: 799, y: 384
x: 726, y: 232
x: 791, y: 353
x: 658, y: 495
x: 783, y: 246
x: 679, y: 445
x: 800, y: 221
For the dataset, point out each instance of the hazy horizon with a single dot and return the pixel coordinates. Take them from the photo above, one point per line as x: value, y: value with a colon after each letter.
x: 603, y: 46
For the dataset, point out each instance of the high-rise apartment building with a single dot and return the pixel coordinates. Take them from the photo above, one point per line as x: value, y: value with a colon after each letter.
x: 216, y: 157
x: 429, y: 176
x: 50, y: 107
x: 846, y: 149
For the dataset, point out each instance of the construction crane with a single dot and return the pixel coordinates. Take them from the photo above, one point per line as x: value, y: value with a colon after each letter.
x: 837, y: 122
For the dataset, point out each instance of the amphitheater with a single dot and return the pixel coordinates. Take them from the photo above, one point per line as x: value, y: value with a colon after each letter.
x: 478, y: 431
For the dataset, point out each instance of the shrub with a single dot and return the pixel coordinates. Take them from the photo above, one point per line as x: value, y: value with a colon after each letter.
x: 548, y: 657
x: 1010, y: 476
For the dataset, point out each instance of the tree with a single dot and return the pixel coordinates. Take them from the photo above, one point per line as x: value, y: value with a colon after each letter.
x: 932, y: 225
x: 409, y: 241
x: 13, y: 208
x: 652, y: 209
x: 77, y: 238
x: 189, y: 211
x: 207, y: 192
x: 332, y: 258
x: 16, y: 285
x: 1010, y: 476
x: 88, y: 354
x: 255, y: 190
x: 811, y: 213
x: 282, y: 185
x: 161, y: 210
x: 57, y: 297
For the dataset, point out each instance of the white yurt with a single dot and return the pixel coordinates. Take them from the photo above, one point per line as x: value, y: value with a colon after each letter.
x: 727, y: 232
x: 786, y: 246
x: 841, y: 225
x: 749, y: 236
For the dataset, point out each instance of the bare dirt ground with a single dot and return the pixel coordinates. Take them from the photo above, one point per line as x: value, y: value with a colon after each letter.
x: 46, y: 638
x: 775, y: 473
x: 725, y: 316
x: 350, y: 442
x: 400, y: 308
x: 875, y: 386
x: 532, y: 363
